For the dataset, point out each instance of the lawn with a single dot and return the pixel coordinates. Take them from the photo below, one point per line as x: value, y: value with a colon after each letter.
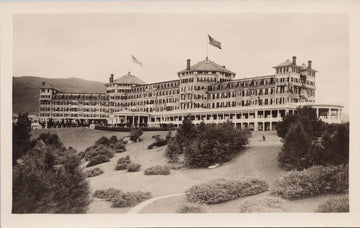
x: 259, y: 159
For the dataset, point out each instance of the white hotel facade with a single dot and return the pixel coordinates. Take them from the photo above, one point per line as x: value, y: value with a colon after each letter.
x: 205, y: 91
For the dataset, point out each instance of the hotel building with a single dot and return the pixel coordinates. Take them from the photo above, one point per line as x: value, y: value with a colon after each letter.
x: 205, y: 91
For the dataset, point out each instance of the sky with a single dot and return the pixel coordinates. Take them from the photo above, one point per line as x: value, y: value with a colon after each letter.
x: 93, y: 46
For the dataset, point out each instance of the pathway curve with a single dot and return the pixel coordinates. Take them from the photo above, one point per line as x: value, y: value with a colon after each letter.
x: 140, y: 206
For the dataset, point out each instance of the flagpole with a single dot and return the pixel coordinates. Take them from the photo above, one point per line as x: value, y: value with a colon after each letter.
x: 129, y: 64
x: 207, y: 42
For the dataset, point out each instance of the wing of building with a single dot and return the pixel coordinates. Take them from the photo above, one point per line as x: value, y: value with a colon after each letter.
x: 206, y: 91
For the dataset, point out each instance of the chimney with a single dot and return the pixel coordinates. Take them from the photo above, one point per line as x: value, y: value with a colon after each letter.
x: 43, y: 83
x: 309, y: 64
x: 294, y: 60
x: 188, y: 61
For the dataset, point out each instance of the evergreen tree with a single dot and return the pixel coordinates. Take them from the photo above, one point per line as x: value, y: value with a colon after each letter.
x: 297, y: 145
x: 21, y: 136
x: 49, y: 180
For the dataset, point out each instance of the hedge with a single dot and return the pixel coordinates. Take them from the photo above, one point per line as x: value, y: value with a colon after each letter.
x: 122, y: 199
x: 93, y: 172
x: 98, y: 160
x: 133, y: 167
x: 313, y: 181
x: 221, y: 190
x: 191, y: 208
x: 127, y: 129
x: 264, y: 204
x: 157, y: 170
x: 123, y: 163
x: 337, y: 204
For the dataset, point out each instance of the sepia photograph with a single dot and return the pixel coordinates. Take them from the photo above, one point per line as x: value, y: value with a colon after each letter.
x: 128, y: 113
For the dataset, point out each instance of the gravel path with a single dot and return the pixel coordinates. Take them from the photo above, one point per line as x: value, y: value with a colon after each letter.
x: 140, y: 206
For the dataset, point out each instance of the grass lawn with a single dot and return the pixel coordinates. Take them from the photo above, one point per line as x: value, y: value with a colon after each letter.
x: 258, y: 159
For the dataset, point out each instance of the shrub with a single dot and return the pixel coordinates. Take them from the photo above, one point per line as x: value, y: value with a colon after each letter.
x: 121, y: 166
x: 94, y: 172
x: 123, y: 163
x: 135, y: 134
x: 133, y: 167
x: 94, y: 151
x: 102, y: 141
x: 221, y: 190
x: 313, y: 181
x: 122, y: 199
x: 98, y: 160
x: 130, y: 199
x: 107, y: 194
x: 125, y: 160
x: 119, y: 147
x: 173, y: 150
x: 264, y: 204
x: 157, y: 170
x: 159, y: 141
x: 337, y: 204
x: 191, y: 208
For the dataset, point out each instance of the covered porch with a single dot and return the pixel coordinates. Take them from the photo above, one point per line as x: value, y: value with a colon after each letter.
x: 126, y: 118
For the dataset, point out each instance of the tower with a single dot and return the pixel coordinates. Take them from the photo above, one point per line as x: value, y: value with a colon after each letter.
x: 195, y: 79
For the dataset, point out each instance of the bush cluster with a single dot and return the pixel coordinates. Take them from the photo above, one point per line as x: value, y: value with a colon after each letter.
x: 103, y: 150
x: 94, y: 172
x: 337, y: 204
x: 157, y: 170
x: 123, y: 163
x: 107, y: 194
x: 97, y: 160
x: 130, y: 199
x: 135, y: 134
x: 122, y: 199
x: 133, y: 167
x: 126, y: 129
x: 205, y: 145
x: 308, y: 141
x: 97, y: 150
x: 264, y: 204
x: 313, y: 181
x: 160, y: 141
x: 49, y: 179
x: 191, y: 208
x: 221, y: 190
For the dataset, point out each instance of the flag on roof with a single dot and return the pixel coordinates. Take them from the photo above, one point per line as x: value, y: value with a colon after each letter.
x: 214, y: 42
x: 135, y: 60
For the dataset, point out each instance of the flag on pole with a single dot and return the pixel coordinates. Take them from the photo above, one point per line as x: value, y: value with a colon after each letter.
x: 214, y: 42
x: 136, y: 61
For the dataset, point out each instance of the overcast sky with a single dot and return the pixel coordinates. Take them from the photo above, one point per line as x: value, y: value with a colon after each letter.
x: 92, y: 46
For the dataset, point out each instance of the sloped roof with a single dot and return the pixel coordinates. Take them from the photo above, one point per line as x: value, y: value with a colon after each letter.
x: 206, y: 66
x: 285, y: 63
x: 304, y: 66
x: 129, y: 79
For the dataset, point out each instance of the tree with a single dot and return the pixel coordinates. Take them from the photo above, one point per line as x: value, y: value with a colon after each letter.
x: 307, y: 116
x: 21, y: 136
x: 49, y: 180
x: 297, y: 145
x: 205, y: 145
